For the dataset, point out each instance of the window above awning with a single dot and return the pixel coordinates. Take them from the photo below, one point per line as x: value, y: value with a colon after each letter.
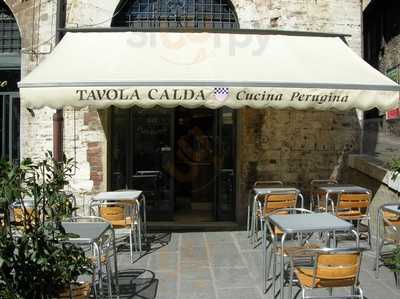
x: 206, y: 69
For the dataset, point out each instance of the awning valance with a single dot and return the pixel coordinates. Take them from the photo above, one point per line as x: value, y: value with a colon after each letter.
x: 206, y: 69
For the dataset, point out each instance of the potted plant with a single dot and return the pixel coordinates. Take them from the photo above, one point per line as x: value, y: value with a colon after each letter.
x: 35, y: 259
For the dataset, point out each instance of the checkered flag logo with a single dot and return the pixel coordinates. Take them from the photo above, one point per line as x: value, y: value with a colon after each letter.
x: 221, y: 93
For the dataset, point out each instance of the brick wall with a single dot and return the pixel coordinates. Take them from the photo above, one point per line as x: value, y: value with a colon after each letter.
x: 294, y: 146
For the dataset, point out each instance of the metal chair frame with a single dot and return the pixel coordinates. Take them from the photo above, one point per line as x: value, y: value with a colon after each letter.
x: 251, y: 199
x: 258, y: 211
x: 314, y: 196
x: 98, y: 253
x: 364, y: 217
x: 131, y: 209
x: 381, y: 242
x: 274, y: 251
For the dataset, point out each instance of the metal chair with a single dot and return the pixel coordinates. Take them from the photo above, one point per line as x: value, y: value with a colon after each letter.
x: 100, y: 255
x: 251, y: 199
x: 303, y: 241
x: 317, y: 198
x: 270, y: 202
x: 330, y: 268
x: 354, y: 207
x: 122, y: 215
x: 390, y: 234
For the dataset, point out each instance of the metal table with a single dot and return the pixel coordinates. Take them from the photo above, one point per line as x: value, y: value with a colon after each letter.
x: 329, y: 189
x: 394, y: 208
x: 90, y: 233
x: 306, y: 223
x: 125, y: 195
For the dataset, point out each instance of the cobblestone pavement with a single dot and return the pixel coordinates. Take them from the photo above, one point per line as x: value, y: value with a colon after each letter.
x: 218, y: 265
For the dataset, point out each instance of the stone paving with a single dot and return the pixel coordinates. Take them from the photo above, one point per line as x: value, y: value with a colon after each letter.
x: 218, y: 265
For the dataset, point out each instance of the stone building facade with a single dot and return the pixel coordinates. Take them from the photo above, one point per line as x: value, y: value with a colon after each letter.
x: 288, y: 145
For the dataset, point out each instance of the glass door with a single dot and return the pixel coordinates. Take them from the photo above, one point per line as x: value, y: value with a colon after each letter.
x: 142, y: 157
x: 225, y: 134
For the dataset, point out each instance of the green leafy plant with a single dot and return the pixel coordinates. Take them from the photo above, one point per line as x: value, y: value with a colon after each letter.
x: 393, y: 262
x: 395, y: 168
x: 35, y: 259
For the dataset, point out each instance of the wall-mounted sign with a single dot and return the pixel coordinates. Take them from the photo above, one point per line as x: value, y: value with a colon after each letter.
x: 3, y: 83
x: 394, y: 74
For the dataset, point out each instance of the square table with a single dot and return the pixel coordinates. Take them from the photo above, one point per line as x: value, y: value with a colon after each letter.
x: 306, y: 223
x: 90, y: 233
x: 329, y: 189
x: 125, y: 195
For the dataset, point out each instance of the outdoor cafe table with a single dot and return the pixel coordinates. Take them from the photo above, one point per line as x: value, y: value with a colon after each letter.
x: 306, y: 223
x: 90, y: 233
x: 388, y: 207
x: 125, y: 195
x: 330, y: 189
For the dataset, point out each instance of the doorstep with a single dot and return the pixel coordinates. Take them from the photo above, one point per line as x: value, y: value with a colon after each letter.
x: 171, y: 226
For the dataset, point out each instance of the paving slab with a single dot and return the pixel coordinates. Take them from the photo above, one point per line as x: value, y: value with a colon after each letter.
x: 218, y: 265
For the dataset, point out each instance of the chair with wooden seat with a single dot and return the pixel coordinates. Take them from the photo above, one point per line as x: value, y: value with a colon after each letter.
x: 354, y: 207
x: 330, y: 268
x: 390, y: 235
x: 250, y: 203
x: 302, y: 241
x: 123, y: 215
x: 273, y: 201
x: 318, y: 198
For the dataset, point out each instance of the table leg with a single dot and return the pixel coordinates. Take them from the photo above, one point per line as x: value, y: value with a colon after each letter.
x: 264, y: 255
x: 248, y: 214
x: 282, y: 265
x: 99, y: 268
x: 115, y: 263
x: 377, y: 245
x: 144, y: 217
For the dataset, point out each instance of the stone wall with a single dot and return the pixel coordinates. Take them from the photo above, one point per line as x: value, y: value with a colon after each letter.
x: 294, y: 146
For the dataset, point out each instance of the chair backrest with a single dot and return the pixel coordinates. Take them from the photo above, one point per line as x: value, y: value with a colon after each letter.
x: 337, y: 268
x: 354, y: 201
x: 391, y: 218
x: 332, y: 267
x: 118, y: 213
x: 276, y: 201
x: 19, y: 214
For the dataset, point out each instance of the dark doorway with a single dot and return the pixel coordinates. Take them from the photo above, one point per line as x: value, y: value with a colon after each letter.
x: 183, y: 159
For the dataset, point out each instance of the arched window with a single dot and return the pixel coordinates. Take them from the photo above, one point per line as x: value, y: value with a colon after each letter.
x: 176, y: 14
x: 10, y: 40
x: 10, y: 74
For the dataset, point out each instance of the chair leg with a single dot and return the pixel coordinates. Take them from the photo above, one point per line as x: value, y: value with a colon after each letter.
x: 378, y: 255
x: 248, y: 216
x: 109, y: 281
x: 139, y: 232
x: 274, y: 274
x: 130, y: 244
x: 369, y: 234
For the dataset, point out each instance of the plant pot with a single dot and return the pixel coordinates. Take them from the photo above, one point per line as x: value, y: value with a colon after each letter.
x: 76, y: 291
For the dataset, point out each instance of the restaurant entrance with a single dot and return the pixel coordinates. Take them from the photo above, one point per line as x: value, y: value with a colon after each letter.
x: 184, y: 160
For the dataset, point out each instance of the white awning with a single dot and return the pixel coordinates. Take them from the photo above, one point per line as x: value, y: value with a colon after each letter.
x: 206, y: 69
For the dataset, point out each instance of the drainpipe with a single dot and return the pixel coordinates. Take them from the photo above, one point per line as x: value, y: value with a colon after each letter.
x: 58, y: 118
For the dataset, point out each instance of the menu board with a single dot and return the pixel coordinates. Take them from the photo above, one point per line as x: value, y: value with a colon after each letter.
x: 394, y: 74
